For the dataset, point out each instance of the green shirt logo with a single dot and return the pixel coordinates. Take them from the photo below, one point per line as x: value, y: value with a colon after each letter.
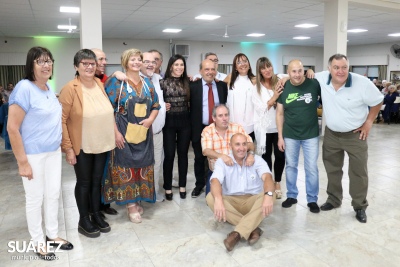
x: 292, y: 97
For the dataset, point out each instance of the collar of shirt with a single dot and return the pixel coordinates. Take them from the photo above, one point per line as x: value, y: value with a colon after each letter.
x: 205, y: 83
x: 348, y: 81
x: 234, y: 160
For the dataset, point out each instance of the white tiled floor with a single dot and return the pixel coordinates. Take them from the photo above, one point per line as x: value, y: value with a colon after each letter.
x: 184, y: 233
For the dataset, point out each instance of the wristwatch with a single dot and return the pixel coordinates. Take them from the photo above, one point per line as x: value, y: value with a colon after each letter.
x: 251, y: 152
x: 269, y: 193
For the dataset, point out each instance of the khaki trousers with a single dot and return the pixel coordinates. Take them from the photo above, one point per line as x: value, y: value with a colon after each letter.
x: 243, y: 211
x: 333, y: 148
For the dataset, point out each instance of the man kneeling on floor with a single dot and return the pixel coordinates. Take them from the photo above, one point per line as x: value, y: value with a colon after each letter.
x: 241, y: 195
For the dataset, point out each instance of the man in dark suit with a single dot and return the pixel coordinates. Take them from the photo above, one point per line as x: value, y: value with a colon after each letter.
x: 205, y: 93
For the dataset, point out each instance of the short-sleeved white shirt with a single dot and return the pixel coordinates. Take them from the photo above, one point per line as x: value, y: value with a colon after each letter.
x: 241, y: 180
x: 347, y: 108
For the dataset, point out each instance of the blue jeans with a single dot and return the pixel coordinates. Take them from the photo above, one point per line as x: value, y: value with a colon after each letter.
x: 208, y: 185
x: 310, y: 152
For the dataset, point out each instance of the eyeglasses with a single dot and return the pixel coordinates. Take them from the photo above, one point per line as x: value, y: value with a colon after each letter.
x: 87, y: 64
x: 102, y: 59
x: 41, y: 62
x: 243, y: 62
x: 214, y: 60
x: 148, y: 62
x: 157, y: 59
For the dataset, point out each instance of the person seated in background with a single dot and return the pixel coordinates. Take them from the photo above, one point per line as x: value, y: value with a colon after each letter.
x: 215, y: 140
x: 385, y: 88
x: 240, y: 194
x: 390, y: 107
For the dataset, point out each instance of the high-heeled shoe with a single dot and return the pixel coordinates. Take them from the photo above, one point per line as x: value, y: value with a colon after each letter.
x: 133, y: 216
x: 169, y: 196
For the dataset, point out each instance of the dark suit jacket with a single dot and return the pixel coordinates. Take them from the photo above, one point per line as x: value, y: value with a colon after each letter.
x: 196, y: 105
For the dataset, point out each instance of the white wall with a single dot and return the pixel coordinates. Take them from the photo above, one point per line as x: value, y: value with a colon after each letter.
x: 64, y: 50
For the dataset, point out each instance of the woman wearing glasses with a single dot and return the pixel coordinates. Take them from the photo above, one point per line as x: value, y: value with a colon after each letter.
x: 240, y: 90
x: 88, y: 134
x: 34, y: 127
x: 130, y: 177
x: 266, y: 133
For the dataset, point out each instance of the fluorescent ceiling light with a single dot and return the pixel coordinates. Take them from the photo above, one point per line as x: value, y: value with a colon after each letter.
x: 301, y: 37
x: 306, y: 25
x: 66, y: 27
x: 172, y: 30
x: 256, y: 34
x: 69, y: 9
x: 357, y: 30
x: 394, y: 34
x: 207, y: 17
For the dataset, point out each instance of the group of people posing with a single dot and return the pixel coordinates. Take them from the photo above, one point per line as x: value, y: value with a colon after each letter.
x: 117, y: 131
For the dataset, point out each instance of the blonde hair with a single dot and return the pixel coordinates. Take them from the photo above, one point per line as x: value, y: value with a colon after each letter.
x: 126, y: 55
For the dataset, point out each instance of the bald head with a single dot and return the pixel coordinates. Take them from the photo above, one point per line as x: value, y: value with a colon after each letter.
x: 101, y: 61
x: 239, y: 146
x: 207, y: 70
x: 296, y: 72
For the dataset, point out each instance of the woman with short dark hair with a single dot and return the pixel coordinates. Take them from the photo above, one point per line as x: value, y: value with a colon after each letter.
x: 88, y: 134
x: 34, y: 127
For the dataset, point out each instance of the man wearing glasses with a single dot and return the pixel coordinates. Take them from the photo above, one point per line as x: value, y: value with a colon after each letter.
x: 158, y: 57
x: 148, y: 70
x: 214, y: 58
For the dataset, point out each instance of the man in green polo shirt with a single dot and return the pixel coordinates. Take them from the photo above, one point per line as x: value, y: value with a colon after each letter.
x: 297, y: 123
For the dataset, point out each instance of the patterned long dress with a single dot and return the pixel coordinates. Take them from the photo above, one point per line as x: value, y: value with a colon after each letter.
x: 130, y: 171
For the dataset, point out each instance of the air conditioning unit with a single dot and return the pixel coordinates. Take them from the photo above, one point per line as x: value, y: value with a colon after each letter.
x: 182, y: 49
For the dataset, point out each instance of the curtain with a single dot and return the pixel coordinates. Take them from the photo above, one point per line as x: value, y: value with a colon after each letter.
x: 225, y: 68
x: 11, y: 74
x: 382, y: 71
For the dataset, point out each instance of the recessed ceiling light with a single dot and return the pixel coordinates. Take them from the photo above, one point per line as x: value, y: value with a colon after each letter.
x: 69, y: 9
x: 357, y: 30
x: 306, y: 25
x: 207, y: 17
x: 66, y: 27
x: 256, y: 34
x: 172, y: 30
x: 301, y: 37
x: 394, y: 34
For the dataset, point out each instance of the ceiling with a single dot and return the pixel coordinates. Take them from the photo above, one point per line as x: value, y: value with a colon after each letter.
x: 145, y: 19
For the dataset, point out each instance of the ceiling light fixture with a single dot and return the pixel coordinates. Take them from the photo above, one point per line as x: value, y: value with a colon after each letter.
x: 306, y: 25
x: 301, y: 37
x: 255, y: 34
x: 357, y: 30
x: 172, y: 30
x: 66, y: 27
x: 394, y: 34
x: 207, y: 17
x: 69, y: 9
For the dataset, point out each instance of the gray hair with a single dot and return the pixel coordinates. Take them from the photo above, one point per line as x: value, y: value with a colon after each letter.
x: 214, y: 111
x: 337, y: 57
x: 209, y: 54
x: 154, y: 50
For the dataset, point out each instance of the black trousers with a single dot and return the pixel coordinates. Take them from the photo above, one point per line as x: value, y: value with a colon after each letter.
x: 200, y: 165
x: 89, y: 172
x: 176, y: 138
x: 279, y: 163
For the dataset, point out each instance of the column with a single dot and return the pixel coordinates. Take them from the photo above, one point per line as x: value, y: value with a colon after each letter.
x: 90, y: 24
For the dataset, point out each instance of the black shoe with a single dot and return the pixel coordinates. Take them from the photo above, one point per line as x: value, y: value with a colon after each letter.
x: 110, y: 211
x: 169, y: 196
x: 87, y: 228
x: 102, y: 224
x: 101, y: 214
x: 289, y: 202
x: 327, y: 206
x: 361, y: 216
x: 65, y: 246
x: 313, y: 207
x: 182, y: 195
x: 197, y: 191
